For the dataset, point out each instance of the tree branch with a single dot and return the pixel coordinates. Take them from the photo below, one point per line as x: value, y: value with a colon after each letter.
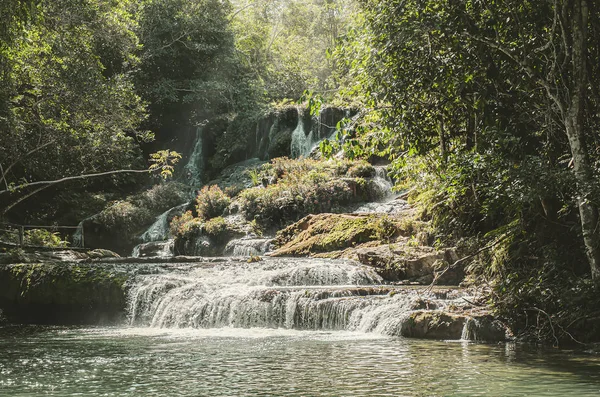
x: 71, y: 178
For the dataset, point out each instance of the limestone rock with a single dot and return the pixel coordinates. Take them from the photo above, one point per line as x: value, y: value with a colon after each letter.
x: 321, y: 233
x: 405, y: 261
x: 486, y: 328
x: 433, y: 325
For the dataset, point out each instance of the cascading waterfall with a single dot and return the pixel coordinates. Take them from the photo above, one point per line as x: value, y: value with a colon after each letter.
x: 155, y: 240
x: 302, y: 144
x: 78, y: 235
x: 195, y: 166
x: 159, y: 230
x: 313, y: 294
x: 247, y: 246
x: 382, y: 183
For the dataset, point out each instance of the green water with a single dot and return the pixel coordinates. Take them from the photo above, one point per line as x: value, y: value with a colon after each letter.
x: 54, y: 361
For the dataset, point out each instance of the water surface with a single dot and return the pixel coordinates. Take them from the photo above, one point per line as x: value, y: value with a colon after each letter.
x: 56, y: 361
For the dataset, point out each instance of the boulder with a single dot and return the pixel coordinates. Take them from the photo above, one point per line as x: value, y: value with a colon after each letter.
x: 323, y: 233
x: 486, y: 328
x: 405, y: 261
x: 433, y: 325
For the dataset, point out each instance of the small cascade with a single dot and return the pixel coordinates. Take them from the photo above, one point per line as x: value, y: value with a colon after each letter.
x: 195, y: 167
x: 302, y: 144
x: 78, y: 236
x: 381, y: 184
x: 155, y: 240
x: 309, y: 294
x: 247, y: 247
x: 159, y: 230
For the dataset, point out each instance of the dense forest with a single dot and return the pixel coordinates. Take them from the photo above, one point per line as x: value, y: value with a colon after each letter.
x: 486, y: 111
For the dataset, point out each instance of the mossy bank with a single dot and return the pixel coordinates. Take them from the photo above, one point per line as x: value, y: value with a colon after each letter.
x: 63, y: 293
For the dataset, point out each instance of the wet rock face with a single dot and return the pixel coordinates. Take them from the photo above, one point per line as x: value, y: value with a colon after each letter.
x: 485, y: 328
x: 430, y: 324
x: 62, y: 293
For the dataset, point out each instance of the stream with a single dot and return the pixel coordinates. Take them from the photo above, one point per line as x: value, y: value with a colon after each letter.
x: 55, y: 361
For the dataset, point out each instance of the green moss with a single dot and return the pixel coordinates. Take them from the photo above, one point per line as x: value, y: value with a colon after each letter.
x: 62, y: 292
x: 317, y: 234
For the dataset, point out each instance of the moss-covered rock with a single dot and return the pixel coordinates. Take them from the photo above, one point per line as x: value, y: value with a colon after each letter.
x: 433, y: 325
x: 62, y: 293
x: 407, y: 260
x: 315, y: 234
x: 118, y: 227
x: 197, y: 237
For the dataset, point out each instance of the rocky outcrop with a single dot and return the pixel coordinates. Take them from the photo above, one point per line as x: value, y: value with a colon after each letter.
x: 210, y: 238
x: 432, y: 324
x: 119, y: 226
x: 387, y: 243
x: 404, y: 260
x: 62, y: 293
x: 322, y: 233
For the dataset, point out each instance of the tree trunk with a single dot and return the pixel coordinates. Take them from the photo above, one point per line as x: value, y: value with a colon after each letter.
x: 573, y: 120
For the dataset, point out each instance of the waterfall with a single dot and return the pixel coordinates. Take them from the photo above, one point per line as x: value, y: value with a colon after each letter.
x: 313, y: 294
x: 159, y: 230
x: 302, y: 144
x: 247, y: 246
x: 381, y: 183
x: 78, y: 236
x: 195, y: 167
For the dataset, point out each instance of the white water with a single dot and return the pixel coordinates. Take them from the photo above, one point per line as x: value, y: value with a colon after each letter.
x: 195, y: 166
x: 159, y: 230
x: 276, y: 293
x: 247, y: 247
x: 302, y: 144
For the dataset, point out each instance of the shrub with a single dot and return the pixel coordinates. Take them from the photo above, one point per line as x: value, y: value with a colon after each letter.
x: 181, y: 224
x: 215, y: 227
x: 303, y: 187
x: 211, y: 202
x: 44, y: 238
x: 362, y: 169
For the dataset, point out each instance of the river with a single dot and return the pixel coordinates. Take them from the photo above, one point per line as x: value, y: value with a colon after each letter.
x: 278, y: 327
x: 127, y: 361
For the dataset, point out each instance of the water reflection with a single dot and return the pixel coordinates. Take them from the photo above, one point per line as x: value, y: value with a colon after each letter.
x: 237, y: 362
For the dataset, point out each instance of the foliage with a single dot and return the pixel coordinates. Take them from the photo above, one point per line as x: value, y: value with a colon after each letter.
x: 164, y: 160
x: 180, y: 225
x: 286, y: 42
x: 44, y: 238
x: 301, y: 187
x: 211, y: 202
x: 479, y: 106
x: 189, y: 69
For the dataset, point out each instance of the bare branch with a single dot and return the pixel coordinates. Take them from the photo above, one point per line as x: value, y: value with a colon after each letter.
x: 71, y: 178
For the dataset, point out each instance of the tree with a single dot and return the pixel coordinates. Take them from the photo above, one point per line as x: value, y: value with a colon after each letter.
x: 482, y: 84
x: 285, y: 42
x: 68, y: 104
